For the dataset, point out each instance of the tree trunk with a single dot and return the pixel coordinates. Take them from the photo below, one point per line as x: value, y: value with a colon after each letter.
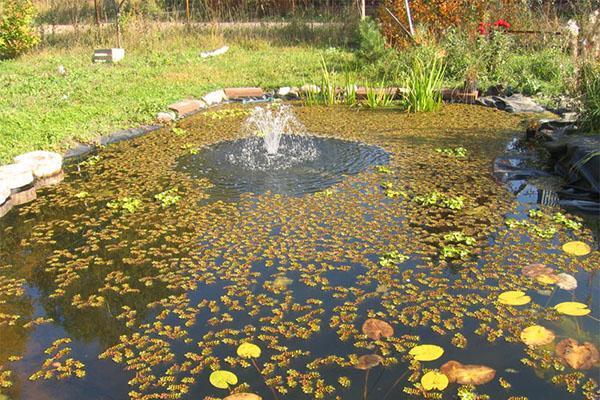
x: 97, y: 12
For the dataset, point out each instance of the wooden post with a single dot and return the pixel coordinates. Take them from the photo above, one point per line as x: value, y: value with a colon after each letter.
x: 187, y: 10
x: 409, y: 16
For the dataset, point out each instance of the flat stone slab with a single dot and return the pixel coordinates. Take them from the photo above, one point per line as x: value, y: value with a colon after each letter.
x: 15, y: 176
x: 42, y: 163
x: 186, y: 106
x: 517, y: 103
x: 244, y: 92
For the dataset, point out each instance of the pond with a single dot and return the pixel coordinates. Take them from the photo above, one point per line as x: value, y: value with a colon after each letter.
x: 144, y: 271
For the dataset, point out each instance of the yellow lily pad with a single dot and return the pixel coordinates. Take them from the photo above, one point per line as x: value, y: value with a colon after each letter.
x: 434, y: 380
x: 223, y: 379
x: 572, y: 308
x: 248, y: 350
x: 514, y: 298
x: 537, y: 335
x: 576, y: 248
x: 547, y: 279
x: 426, y: 352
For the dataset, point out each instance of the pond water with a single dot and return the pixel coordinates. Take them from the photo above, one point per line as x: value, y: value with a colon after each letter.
x: 156, y: 258
x: 242, y: 165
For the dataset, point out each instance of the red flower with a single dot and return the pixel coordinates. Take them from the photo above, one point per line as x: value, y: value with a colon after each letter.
x: 482, y: 28
x: 502, y: 24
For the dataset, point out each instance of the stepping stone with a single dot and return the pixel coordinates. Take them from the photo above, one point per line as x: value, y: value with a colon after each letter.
x: 186, y: 106
x: 5, y: 202
x: 4, y: 192
x: 23, y: 195
x: 19, y: 179
x: 50, y: 180
x: 15, y: 176
x: 5, y: 207
x: 244, y: 92
x: 43, y: 164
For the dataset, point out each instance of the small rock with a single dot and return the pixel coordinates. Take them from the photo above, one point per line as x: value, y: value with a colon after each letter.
x: 310, y: 88
x: 165, y: 117
x: 284, y: 91
x: 214, y: 97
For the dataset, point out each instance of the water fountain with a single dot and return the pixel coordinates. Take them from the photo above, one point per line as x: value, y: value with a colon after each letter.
x: 277, y: 154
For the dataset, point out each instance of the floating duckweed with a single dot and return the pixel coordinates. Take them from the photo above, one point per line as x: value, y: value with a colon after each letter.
x: 167, y: 295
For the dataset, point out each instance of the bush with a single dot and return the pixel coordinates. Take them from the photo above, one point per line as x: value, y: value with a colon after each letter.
x: 17, y: 34
x: 371, y: 43
x: 590, y: 90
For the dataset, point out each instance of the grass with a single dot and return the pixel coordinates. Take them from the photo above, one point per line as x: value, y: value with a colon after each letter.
x: 41, y: 109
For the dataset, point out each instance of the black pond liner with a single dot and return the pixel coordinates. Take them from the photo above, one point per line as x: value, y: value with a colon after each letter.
x: 288, y: 175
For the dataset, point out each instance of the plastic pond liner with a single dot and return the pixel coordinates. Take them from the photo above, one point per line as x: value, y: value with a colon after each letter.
x: 415, y: 276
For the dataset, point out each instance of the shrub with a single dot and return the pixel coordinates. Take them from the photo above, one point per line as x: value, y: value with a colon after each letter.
x: 17, y: 34
x: 590, y: 89
x: 371, y: 43
x: 437, y: 15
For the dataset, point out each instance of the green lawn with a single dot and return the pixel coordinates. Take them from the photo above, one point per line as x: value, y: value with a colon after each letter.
x: 40, y: 109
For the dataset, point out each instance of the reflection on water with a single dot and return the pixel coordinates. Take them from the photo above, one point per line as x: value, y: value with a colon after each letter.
x: 153, y: 301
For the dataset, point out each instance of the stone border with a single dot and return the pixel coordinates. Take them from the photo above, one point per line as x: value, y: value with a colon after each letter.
x: 178, y: 111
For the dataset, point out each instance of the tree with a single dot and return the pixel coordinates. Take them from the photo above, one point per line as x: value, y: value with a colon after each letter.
x: 17, y: 33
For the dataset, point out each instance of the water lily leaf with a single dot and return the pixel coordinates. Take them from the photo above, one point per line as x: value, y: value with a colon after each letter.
x: 537, y: 335
x: 572, y: 308
x: 243, y: 396
x: 514, y: 298
x: 434, y: 380
x: 368, y: 361
x: 566, y: 281
x: 376, y: 329
x: 426, y: 352
x: 248, y: 350
x: 467, y: 374
x: 547, y: 279
x: 223, y: 379
x: 576, y: 248
x: 584, y: 356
